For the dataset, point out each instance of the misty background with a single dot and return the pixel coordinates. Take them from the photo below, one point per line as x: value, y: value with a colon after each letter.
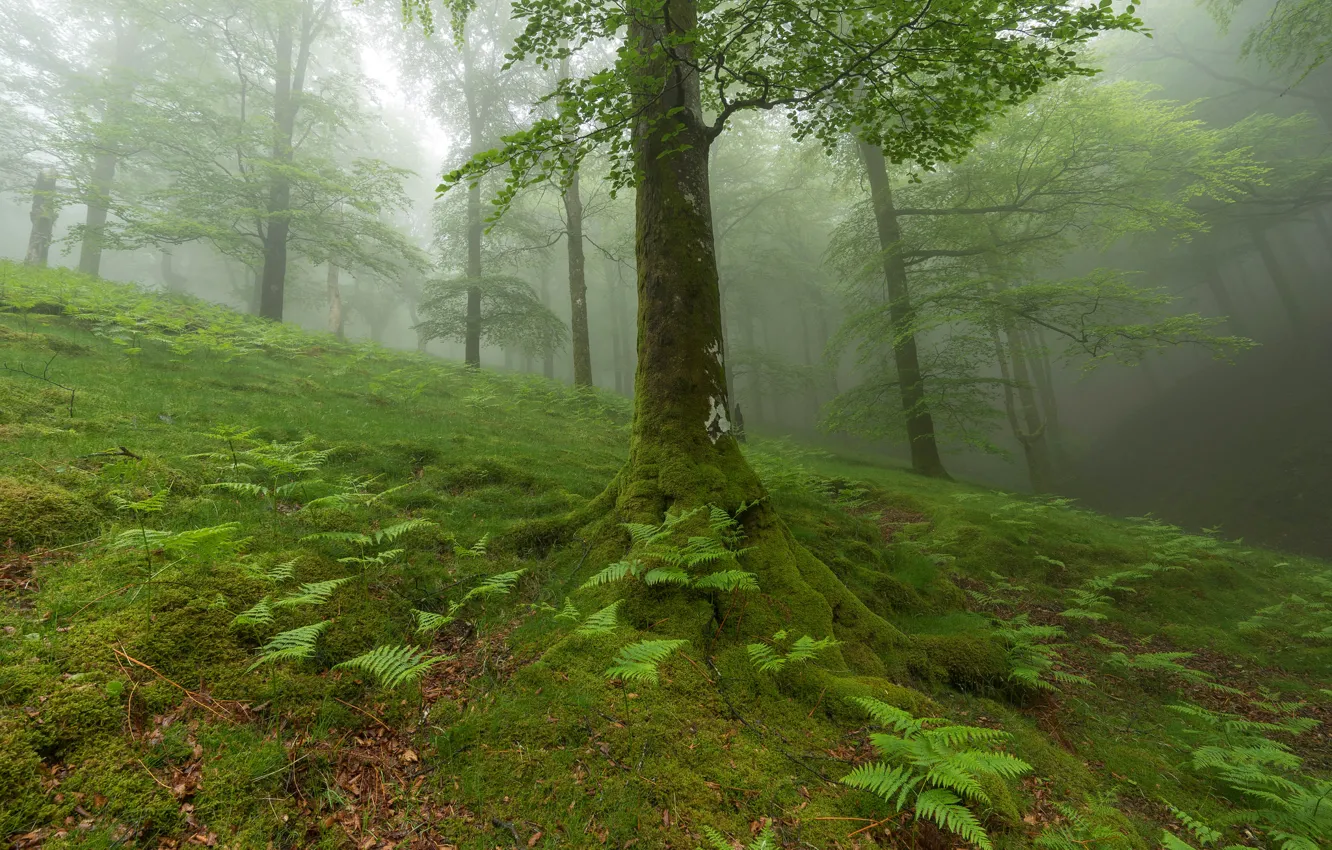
x: 1169, y: 223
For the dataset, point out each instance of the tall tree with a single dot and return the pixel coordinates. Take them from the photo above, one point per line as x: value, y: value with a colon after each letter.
x: 932, y: 77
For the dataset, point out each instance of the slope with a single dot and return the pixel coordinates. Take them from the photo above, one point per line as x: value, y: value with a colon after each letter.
x: 265, y: 588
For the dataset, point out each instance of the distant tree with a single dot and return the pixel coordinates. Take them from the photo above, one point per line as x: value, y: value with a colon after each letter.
x: 510, y: 314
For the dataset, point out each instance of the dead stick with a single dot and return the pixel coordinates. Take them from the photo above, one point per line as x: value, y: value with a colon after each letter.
x: 366, y: 713
x: 189, y: 693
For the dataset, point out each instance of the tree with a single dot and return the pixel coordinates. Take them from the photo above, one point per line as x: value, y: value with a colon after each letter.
x: 508, y: 314
x: 918, y: 81
x: 972, y: 238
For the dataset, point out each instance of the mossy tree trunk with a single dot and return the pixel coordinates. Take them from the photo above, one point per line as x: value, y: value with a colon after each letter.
x: 919, y: 423
x: 43, y: 217
x: 682, y: 452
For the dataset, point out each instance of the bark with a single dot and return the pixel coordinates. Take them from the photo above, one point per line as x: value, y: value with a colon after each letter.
x: 43, y: 218
x: 1217, y: 286
x: 682, y: 451
x: 573, y: 214
x: 1280, y: 281
x: 335, y: 318
x: 920, y: 424
x: 98, y: 197
x: 289, y: 85
x: 472, y: 351
x: 174, y: 280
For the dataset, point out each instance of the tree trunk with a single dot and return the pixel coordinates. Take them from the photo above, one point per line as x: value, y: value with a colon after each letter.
x: 920, y: 424
x: 619, y: 360
x: 334, y: 302
x: 1017, y: 379
x: 472, y: 354
x: 98, y: 198
x: 289, y: 85
x: 573, y: 214
x: 1280, y: 281
x: 43, y: 218
x: 811, y: 385
x: 1034, y: 342
x: 682, y: 453
x: 172, y: 279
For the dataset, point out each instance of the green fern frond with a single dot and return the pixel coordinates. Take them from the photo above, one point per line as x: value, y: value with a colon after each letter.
x: 893, y: 784
x: 151, y: 505
x: 666, y: 575
x: 601, y: 622
x: 945, y: 810
x: 429, y: 622
x: 239, y: 488
x: 258, y: 614
x: 312, y: 593
x: 338, y: 537
x: 495, y: 585
x: 728, y: 580
x: 391, y: 666
x: 764, y: 658
x: 394, y: 532
x: 569, y: 612
x: 615, y: 572
x: 135, y: 538
x: 765, y: 840
x: 291, y: 645
x: 638, y: 662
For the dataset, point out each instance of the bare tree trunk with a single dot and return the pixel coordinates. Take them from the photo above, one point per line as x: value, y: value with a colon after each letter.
x: 1017, y: 380
x: 1043, y: 372
x: 920, y: 424
x: 43, y: 217
x: 472, y: 353
x: 335, y: 318
x: 98, y: 198
x: 289, y: 85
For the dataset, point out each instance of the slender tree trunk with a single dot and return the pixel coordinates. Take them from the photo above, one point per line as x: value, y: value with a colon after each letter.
x: 1280, y: 281
x: 811, y: 418
x: 548, y: 361
x: 334, y: 302
x: 98, y: 198
x: 1042, y: 371
x: 573, y: 214
x: 43, y: 217
x: 472, y: 355
x: 920, y: 424
x: 1016, y: 376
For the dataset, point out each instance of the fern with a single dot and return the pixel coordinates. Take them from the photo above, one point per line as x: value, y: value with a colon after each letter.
x: 476, y: 550
x: 151, y: 505
x: 615, y: 572
x: 312, y: 593
x: 638, y: 662
x: 936, y: 769
x: 258, y: 614
x: 767, y: 659
x: 276, y: 574
x: 1165, y: 664
x: 292, y: 645
x: 429, y: 622
x: 391, y: 666
x: 569, y: 612
x: 765, y: 840
x: 495, y: 585
x: 600, y: 623
x: 379, y: 559
x: 728, y: 580
x: 1033, y: 659
x: 1077, y: 832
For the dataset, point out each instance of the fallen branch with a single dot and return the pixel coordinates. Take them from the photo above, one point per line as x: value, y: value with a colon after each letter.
x: 189, y: 693
x: 23, y: 370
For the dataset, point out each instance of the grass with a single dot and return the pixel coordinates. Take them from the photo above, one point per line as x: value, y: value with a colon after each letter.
x: 130, y: 715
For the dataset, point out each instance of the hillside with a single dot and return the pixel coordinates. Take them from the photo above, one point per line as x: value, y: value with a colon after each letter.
x: 204, y: 515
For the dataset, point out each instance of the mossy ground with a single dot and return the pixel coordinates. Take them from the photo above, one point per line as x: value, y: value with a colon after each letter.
x: 128, y: 716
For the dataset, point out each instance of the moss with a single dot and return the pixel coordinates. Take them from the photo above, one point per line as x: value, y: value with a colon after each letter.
x: 34, y: 514
x: 73, y: 715
x: 968, y: 662
x: 19, y: 765
x: 481, y: 472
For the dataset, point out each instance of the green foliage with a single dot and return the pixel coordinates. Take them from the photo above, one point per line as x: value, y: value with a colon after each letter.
x: 1231, y: 741
x: 1163, y: 665
x: 512, y: 315
x: 1095, y: 596
x: 390, y: 534
x: 258, y: 614
x: 601, y: 622
x: 292, y: 645
x: 767, y: 658
x: 657, y: 557
x: 765, y: 840
x: 1296, y: 616
x: 312, y: 593
x: 1033, y: 659
x: 1078, y: 831
x: 500, y: 584
x: 638, y: 662
x: 392, y: 666
x: 935, y: 767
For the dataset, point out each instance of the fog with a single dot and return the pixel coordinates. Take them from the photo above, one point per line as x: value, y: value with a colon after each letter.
x: 1121, y: 294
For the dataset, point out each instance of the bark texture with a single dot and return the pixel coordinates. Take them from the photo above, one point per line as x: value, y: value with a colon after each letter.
x: 582, y: 348
x: 43, y: 217
x: 920, y: 424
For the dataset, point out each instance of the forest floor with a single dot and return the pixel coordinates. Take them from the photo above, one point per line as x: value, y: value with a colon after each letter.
x: 143, y: 701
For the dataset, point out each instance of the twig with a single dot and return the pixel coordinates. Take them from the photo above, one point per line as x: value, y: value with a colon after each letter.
x: 23, y: 370
x: 817, y: 703
x: 189, y: 693
x: 150, y: 773
x: 118, y: 451
x: 366, y: 713
x: 504, y: 824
